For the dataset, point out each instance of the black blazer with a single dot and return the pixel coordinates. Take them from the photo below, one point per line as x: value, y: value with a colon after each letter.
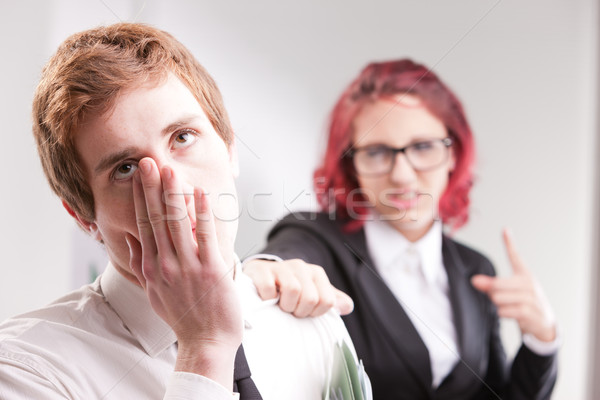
x: 394, y: 355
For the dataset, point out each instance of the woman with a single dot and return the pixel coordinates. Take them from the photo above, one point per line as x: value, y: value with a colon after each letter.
x: 397, y: 170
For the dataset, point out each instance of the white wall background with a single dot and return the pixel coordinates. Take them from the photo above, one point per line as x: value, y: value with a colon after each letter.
x: 526, y: 71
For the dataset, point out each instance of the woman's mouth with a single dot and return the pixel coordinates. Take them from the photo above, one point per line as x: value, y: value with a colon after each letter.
x: 401, y: 200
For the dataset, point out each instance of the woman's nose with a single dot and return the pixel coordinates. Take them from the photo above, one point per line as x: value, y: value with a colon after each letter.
x: 402, y: 171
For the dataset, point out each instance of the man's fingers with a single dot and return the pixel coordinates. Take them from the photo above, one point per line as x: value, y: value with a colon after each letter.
x: 146, y: 240
x: 206, y: 234
x: 176, y: 215
x: 135, y: 258
x: 153, y: 193
x: 141, y: 216
x: 516, y: 262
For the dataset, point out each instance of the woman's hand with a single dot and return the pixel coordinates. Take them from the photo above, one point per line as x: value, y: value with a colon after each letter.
x: 304, y: 289
x: 184, y: 275
x: 519, y: 296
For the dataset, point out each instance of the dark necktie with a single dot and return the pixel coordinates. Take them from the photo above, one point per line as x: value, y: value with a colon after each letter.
x: 242, y: 383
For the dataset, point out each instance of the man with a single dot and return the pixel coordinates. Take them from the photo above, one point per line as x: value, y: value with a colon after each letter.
x: 134, y: 138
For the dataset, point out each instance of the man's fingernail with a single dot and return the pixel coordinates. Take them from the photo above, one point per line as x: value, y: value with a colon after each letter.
x: 145, y: 167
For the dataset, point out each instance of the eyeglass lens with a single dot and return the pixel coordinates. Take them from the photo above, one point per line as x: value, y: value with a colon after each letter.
x: 379, y: 159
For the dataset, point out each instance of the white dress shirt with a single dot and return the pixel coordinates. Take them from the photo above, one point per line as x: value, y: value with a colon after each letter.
x: 104, y: 341
x: 415, y: 274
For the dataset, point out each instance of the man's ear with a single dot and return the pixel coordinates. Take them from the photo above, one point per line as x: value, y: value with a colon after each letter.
x: 233, y: 159
x: 89, y: 227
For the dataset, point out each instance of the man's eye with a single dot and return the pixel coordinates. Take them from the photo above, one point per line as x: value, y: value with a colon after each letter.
x: 184, y: 139
x: 124, y: 171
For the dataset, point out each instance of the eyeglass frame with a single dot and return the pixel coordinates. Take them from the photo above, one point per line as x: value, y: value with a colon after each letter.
x: 447, y: 142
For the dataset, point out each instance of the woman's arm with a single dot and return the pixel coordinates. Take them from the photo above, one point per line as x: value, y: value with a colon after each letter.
x: 299, y: 280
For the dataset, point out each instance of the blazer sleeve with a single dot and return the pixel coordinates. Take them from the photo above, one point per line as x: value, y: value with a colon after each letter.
x: 532, y: 376
x: 529, y: 377
x: 289, y: 241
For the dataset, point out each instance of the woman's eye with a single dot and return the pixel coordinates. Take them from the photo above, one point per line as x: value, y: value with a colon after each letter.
x: 376, y: 152
x: 124, y: 171
x: 423, y: 146
x: 184, y: 139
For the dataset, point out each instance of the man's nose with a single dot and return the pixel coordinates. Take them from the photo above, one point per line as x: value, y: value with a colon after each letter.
x: 187, y: 190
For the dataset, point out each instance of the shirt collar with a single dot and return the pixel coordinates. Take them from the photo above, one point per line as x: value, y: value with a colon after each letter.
x: 131, y: 304
x: 386, y: 246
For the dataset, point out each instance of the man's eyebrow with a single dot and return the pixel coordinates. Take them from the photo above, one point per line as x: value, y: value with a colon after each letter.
x: 109, y: 160
x: 184, y: 120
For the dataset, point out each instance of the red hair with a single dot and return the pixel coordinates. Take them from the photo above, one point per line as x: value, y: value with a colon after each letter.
x: 335, y: 179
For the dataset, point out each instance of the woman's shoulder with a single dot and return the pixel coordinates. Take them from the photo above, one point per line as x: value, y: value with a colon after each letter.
x: 318, y: 228
x: 317, y: 221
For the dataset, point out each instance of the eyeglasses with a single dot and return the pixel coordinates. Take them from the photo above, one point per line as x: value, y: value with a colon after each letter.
x: 379, y: 159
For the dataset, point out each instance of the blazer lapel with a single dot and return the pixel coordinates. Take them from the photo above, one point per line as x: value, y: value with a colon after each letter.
x: 392, y: 320
x: 469, y: 317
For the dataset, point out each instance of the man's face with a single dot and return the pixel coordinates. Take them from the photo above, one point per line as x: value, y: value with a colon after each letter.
x: 166, y: 123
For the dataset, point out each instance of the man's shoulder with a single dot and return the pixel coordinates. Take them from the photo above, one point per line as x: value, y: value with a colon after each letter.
x: 266, y: 314
x: 79, y: 345
x: 66, y: 310
x: 290, y: 357
x: 69, y: 321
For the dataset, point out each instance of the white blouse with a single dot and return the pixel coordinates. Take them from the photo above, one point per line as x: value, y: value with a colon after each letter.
x: 415, y: 274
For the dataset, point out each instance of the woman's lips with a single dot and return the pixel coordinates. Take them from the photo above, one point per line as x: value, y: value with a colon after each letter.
x: 403, y: 201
